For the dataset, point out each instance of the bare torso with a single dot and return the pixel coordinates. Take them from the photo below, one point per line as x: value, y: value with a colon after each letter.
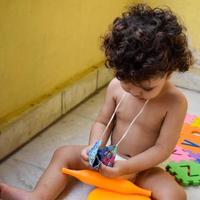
x: 145, y: 130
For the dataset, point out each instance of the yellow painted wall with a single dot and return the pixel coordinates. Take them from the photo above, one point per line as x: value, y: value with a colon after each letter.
x: 188, y: 11
x: 44, y: 43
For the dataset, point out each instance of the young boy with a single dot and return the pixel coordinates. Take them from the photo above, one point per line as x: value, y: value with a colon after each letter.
x: 143, y: 48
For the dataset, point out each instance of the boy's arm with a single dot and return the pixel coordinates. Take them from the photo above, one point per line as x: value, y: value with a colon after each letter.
x: 165, y: 143
x: 104, y: 116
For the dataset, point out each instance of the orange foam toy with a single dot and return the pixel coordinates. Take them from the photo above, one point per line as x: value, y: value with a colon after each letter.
x: 99, y: 194
x: 113, y: 184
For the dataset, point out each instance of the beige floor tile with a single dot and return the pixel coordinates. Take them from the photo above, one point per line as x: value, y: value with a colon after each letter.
x: 70, y: 130
x: 193, y: 99
x: 20, y: 174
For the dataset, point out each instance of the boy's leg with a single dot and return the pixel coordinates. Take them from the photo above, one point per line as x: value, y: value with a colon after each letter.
x: 161, y: 183
x: 52, y: 182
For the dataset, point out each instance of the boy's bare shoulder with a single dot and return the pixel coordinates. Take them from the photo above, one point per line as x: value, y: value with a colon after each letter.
x: 175, y: 97
x: 114, y: 88
x: 114, y: 83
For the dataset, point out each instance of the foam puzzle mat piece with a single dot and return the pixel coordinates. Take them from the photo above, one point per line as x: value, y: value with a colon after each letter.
x: 196, y: 122
x: 186, y: 172
x: 187, y: 134
x: 179, y: 154
x: 189, y: 118
x: 193, y: 155
x: 198, y: 160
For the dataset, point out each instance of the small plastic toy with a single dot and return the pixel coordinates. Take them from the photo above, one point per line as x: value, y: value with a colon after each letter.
x: 105, y: 155
x: 94, y: 161
x: 186, y: 172
x: 116, y: 184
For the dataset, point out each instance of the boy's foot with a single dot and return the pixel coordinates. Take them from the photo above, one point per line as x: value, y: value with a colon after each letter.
x: 11, y: 193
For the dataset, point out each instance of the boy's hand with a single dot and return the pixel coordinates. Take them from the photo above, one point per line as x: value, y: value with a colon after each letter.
x: 84, y: 155
x: 112, y: 172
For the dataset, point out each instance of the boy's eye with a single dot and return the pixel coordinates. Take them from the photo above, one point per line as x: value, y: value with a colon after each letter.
x: 147, y: 89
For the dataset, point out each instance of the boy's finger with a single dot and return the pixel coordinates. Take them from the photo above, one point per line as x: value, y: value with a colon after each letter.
x: 108, y: 170
x: 102, y: 168
x: 84, y: 156
x: 85, y: 162
x: 105, y: 172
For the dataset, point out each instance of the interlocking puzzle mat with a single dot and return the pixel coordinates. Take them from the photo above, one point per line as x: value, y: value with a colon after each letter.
x: 186, y: 172
x: 185, y: 159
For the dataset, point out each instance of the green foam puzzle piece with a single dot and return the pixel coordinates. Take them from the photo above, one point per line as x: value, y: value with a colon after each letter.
x: 186, y: 172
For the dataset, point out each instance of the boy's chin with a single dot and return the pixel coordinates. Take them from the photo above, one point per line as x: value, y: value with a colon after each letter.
x: 144, y: 99
x: 141, y: 98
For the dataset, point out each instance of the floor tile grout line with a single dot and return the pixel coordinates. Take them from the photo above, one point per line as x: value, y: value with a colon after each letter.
x: 28, y: 163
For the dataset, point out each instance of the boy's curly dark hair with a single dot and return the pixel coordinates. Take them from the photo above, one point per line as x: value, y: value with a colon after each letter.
x: 146, y: 43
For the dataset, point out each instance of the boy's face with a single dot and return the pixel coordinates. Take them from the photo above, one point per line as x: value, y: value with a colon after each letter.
x: 147, y: 89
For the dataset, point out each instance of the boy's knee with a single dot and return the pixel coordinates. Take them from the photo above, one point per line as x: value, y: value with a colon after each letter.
x: 59, y: 152
x: 64, y: 153
x: 179, y: 194
x: 171, y: 193
x: 69, y: 155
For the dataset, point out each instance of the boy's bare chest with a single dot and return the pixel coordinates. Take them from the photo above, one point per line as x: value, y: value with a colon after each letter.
x: 144, y: 131
x: 150, y: 118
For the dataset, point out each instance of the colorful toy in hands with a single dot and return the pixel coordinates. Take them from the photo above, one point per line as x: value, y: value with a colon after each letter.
x: 115, y: 188
x: 98, y: 155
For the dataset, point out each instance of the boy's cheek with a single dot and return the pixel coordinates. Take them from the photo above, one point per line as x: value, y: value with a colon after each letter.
x: 152, y: 95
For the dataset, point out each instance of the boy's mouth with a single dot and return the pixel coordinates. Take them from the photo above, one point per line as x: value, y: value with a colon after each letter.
x: 141, y: 98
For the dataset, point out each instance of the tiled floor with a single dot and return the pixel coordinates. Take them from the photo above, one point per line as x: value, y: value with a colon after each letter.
x: 23, y: 168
